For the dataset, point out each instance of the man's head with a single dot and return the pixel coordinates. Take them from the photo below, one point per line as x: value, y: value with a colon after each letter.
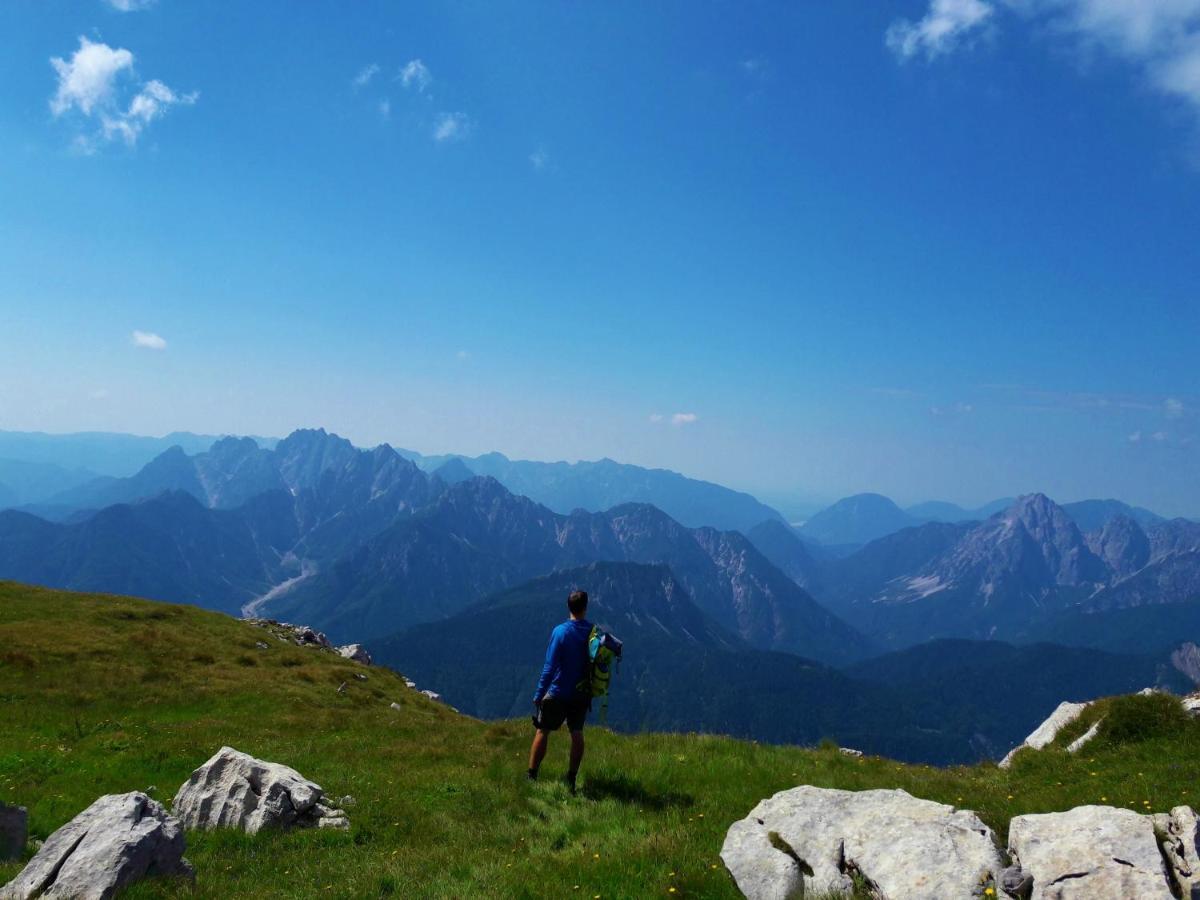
x: 577, y: 604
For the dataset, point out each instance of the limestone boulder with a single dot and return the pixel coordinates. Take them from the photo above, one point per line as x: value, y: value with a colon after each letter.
x: 1179, y: 834
x: 815, y: 840
x: 1090, y: 853
x: 119, y: 839
x: 235, y: 790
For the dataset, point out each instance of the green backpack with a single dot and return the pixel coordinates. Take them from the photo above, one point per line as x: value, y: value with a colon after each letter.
x: 604, y: 658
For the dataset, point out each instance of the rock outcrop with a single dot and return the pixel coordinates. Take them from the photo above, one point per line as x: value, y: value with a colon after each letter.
x: 235, y: 790
x: 356, y: 652
x: 14, y: 831
x: 815, y: 840
x: 1179, y: 836
x: 1044, y: 734
x: 1090, y: 853
x: 116, y: 841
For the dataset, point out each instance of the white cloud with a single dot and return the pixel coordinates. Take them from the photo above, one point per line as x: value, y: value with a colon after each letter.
x: 88, y: 84
x: 946, y: 24
x: 1135, y: 438
x: 1159, y: 37
x: 415, y: 74
x: 1159, y: 436
x: 756, y: 67
x: 148, y: 340
x: 463, y: 354
x: 656, y: 417
x: 129, y: 5
x: 682, y: 418
x: 451, y: 126
x: 539, y: 159
x: 87, y: 80
x: 98, y: 394
x: 364, y: 76
x: 1173, y: 408
x: 385, y: 108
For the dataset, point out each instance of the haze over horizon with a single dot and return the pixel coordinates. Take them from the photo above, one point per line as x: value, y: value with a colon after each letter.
x: 938, y: 251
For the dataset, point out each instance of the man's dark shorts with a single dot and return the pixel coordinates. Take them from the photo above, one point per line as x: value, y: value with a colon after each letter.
x: 555, y: 711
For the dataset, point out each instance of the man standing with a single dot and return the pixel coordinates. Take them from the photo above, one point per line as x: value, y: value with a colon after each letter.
x: 562, y: 693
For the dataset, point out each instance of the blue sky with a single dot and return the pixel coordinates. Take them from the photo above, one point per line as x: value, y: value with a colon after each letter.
x: 935, y: 249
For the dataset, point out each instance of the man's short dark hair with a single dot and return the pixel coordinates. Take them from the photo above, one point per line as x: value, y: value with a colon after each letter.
x: 577, y: 603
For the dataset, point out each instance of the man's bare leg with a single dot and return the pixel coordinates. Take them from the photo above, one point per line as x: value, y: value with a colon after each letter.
x: 576, y: 758
x: 537, y: 752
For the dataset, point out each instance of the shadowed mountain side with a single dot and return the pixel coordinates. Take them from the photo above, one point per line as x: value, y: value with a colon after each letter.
x: 681, y: 672
x: 168, y: 548
x: 997, y: 692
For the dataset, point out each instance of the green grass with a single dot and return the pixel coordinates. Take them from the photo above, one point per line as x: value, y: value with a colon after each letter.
x: 108, y: 694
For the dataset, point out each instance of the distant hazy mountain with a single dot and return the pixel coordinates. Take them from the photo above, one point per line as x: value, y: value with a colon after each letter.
x: 603, y: 484
x: 23, y: 482
x: 940, y: 511
x: 1092, y: 515
x: 681, y: 671
x: 478, y: 538
x: 779, y: 543
x: 1012, y: 575
x: 103, y: 453
x: 857, y: 520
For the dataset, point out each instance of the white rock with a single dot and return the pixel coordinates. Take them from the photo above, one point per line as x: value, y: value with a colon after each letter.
x: 14, y: 831
x: 1180, y: 833
x: 809, y: 840
x: 397, y: 707
x: 1076, y: 745
x: 433, y: 695
x: 410, y: 683
x: 847, y: 751
x: 1048, y: 730
x: 235, y: 790
x: 356, y: 652
x: 1089, y: 853
x: 116, y: 841
x: 1192, y: 705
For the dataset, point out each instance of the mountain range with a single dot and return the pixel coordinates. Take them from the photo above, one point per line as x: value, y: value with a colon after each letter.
x: 429, y: 563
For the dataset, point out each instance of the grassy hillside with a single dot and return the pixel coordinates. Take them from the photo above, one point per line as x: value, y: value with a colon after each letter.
x: 104, y: 694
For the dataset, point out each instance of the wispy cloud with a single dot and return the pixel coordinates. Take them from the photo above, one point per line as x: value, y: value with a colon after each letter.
x: 147, y: 340
x: 451, y: 126
x: 1161, y: 38
x: 1173, y: 408
x: 90, y: 86
x: 676, y: 420
x: 951, y: 409
x: 384, y: 107
x: 415, y: 74
x: 539, y: 159
x: 129, y: 5
x: 365, y: 75
x: 463, y: 355
x: 945, y: 25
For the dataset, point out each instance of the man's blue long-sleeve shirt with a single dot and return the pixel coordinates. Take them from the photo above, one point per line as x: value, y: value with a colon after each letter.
x: 566, y: 660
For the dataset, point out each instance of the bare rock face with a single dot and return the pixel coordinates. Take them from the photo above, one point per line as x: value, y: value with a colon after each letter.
x: 116, y: 841
x: 355, y: 652
x: 811, y: 840
x: 14, y: 831
x: 235, y: 790
x: 1090, y: 853
x: 1179, y: 831
x: 1044, y: 734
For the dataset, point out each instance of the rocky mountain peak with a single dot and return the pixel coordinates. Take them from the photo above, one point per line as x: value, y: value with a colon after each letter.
x: 1122, y: 544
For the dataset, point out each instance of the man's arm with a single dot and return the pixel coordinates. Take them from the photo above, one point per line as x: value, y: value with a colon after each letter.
x: 549, y: 666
